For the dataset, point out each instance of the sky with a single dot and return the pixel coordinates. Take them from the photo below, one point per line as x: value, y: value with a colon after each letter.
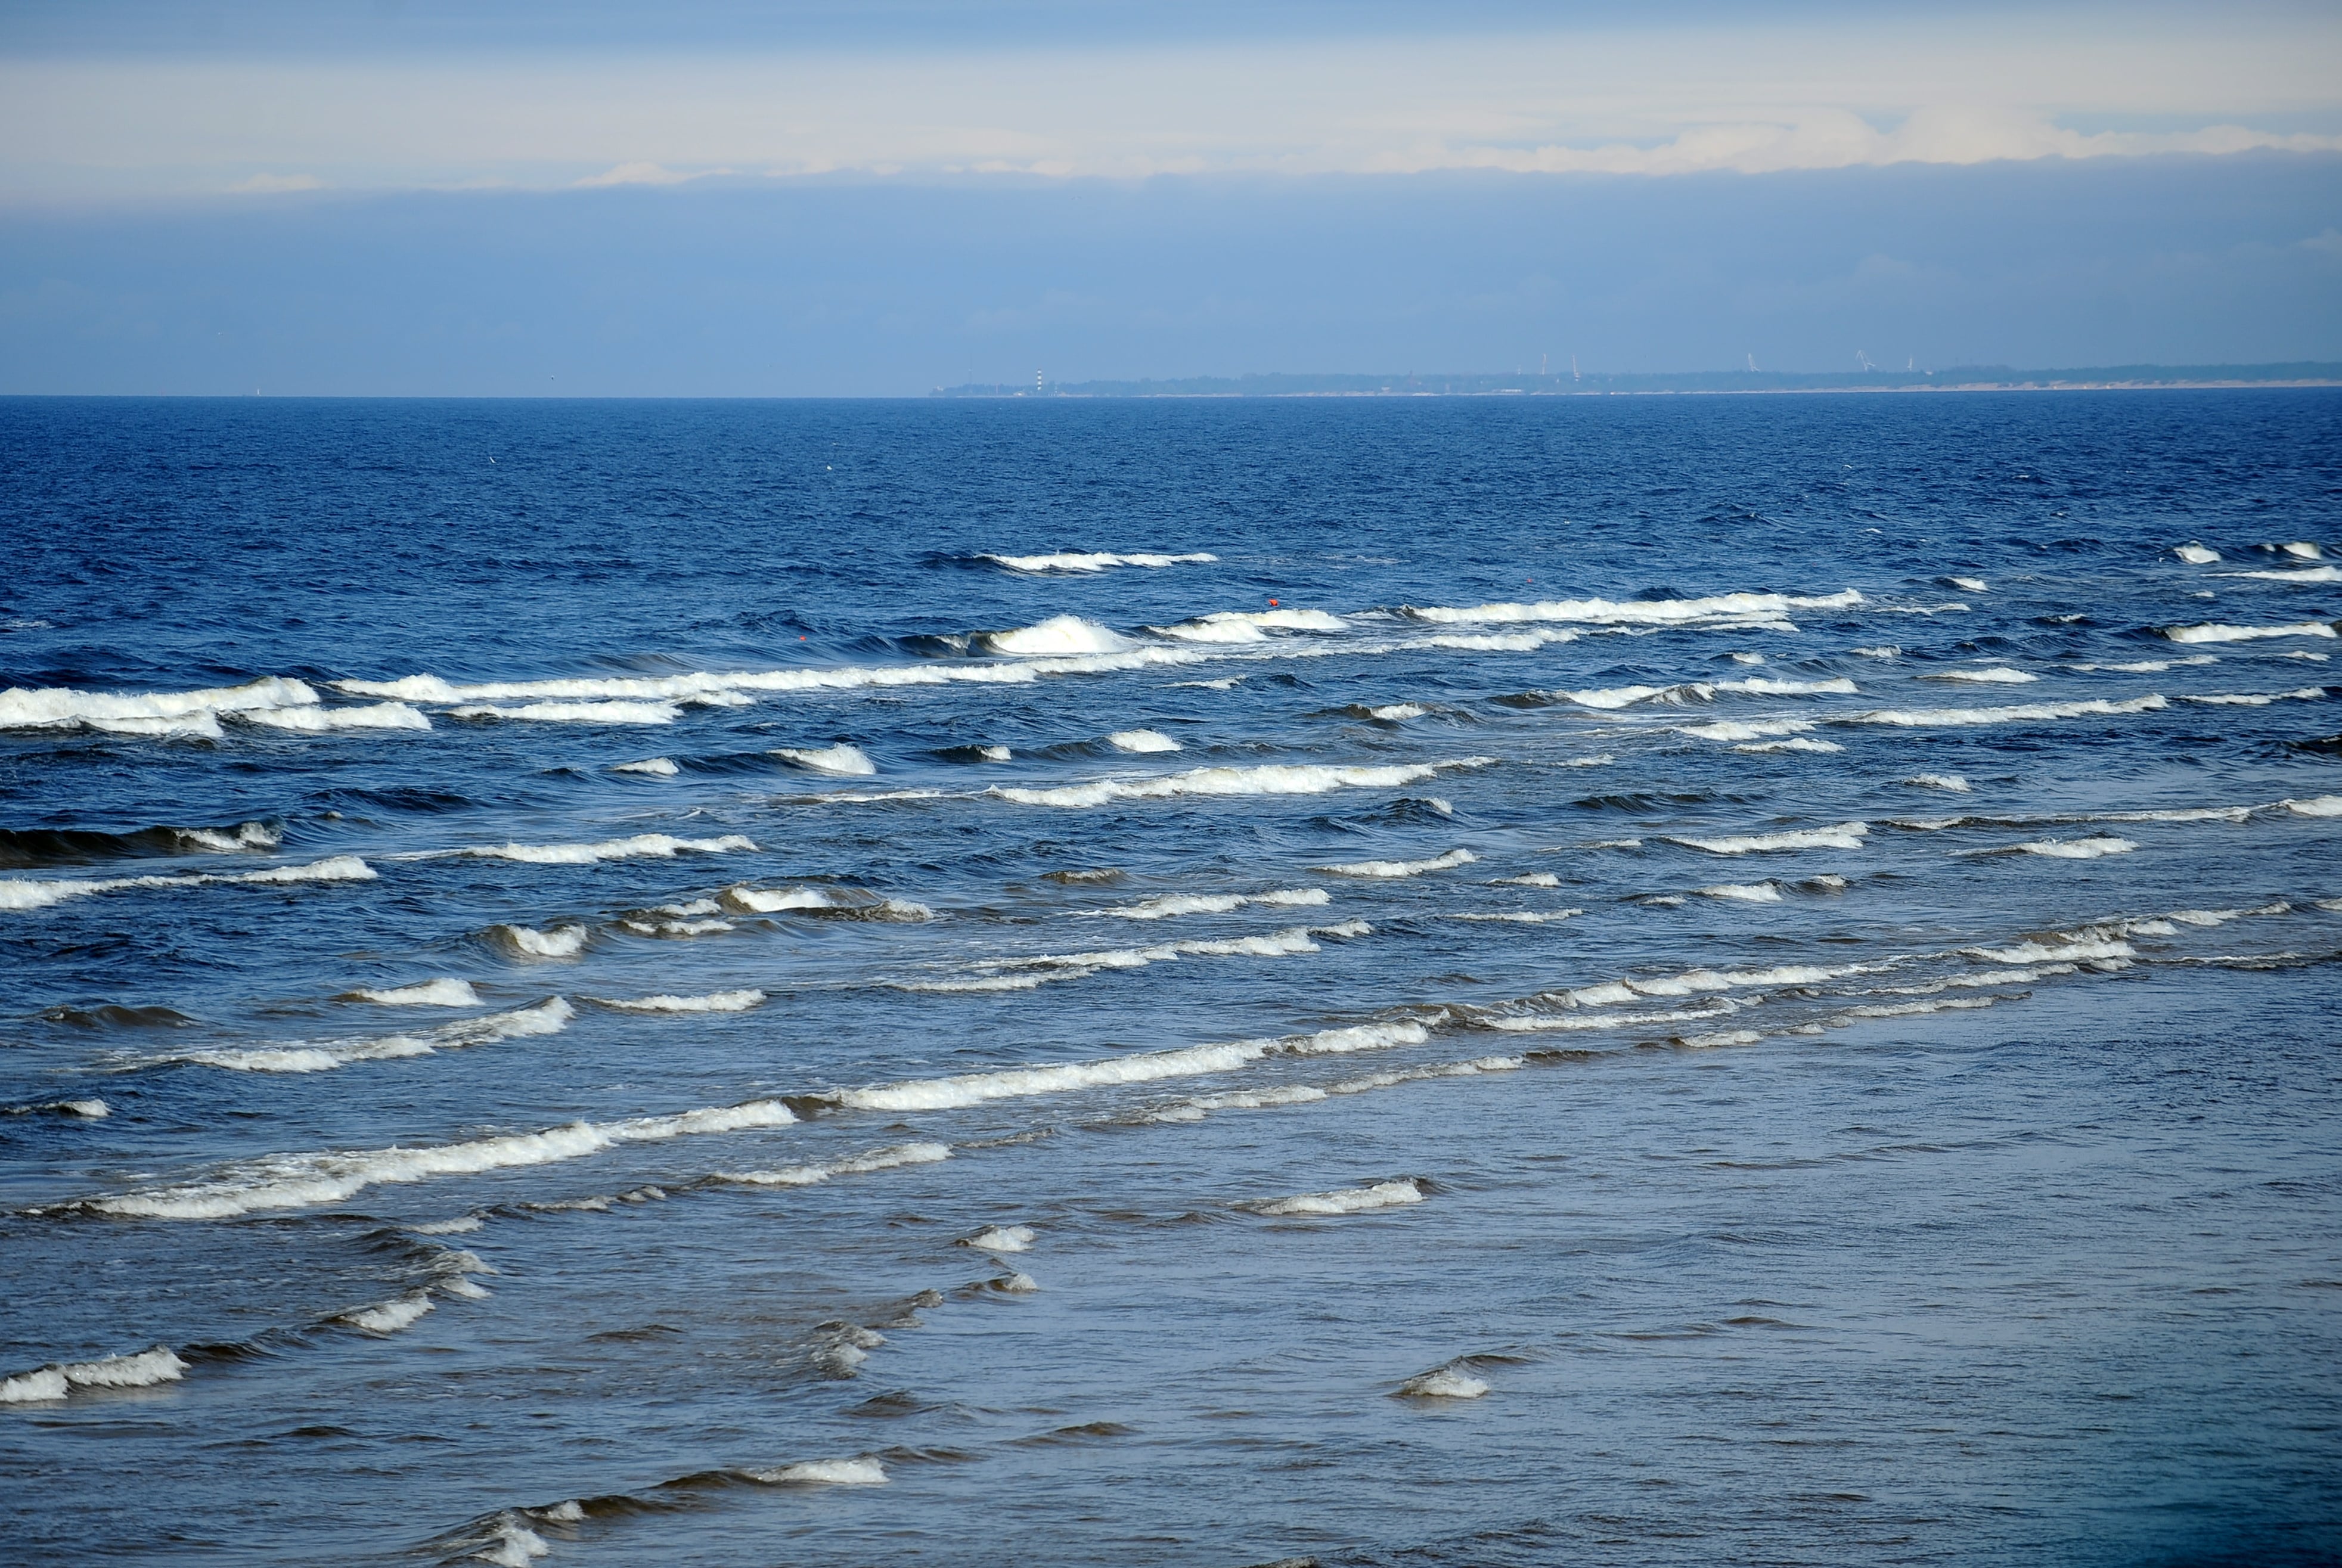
x: 813, y: 197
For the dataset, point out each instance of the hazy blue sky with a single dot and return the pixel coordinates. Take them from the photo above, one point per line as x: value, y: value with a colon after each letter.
x: 391, y: 195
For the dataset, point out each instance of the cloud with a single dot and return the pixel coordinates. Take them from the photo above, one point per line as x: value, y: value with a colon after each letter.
x: 274, y: 185
x: 645, y: 173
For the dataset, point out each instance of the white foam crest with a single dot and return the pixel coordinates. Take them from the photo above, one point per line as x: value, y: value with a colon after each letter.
x: 424, y: 994
x: 1799, y: 743
x: 1443, y: 1383
x: 1250, y: 625
x: 144, y: 1369
x: 1845, y: 835
x: 50, y: 707
x: 23, y: 894
x: 2001, y: 674
x: 511, y: 1544
x: 1528, y: 879
x: 714, y: 1002
x: 561, y: 942
x: 548, y: 1017
x: 657, y: 767
x: 1392, y: 713
x: 2197, y: 555
x: 2304, y: 550
x: 1525, y: 916
x: 1096, y: 560
x: 1140, y: 1067
x: 1178, y: 903
x: 714, y: 688
x: 1951, y: 782
x: 1028, y: 974
x: 1269, y: 779
x: 1497, y: 643
x: 2151, y: 666
x: 1930, y: 718
x: 1345, y: 1200
x: 773, y: 901
x: 1614, y: 697
x: 2254, y: 699
x: 248, y: 835
x: 1884, y: 650
x: 1736, y: 607
x: 390, y: 1316
x: 612, y: 712
x: 1572, y: 1023
x: 1915, y: 1009
x: 2064, y: 950
x: 306, y: 1181
x: 1720, y: 1038
x: 318, y: 720
x: 2093, y: 848
x: 2214, y: 632
x: 2317, y: 806
x: 1768, y: 686
x: 1002, y: 1239
x: 1398, y: 868
x: 655, y: 846
x: 1143, y: 741
x: 885, y: 1159
x: 1746, y: 729
x: 824, y: 1472
x: 2298, y: 575
x: 840, y: 759
x: 1746, y: 891
x: 1057, y: 636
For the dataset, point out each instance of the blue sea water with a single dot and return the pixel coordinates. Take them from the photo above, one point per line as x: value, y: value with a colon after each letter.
x: 1622, y: 981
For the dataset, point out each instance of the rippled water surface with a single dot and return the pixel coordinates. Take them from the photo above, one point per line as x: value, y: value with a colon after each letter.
x: 1625, y: 981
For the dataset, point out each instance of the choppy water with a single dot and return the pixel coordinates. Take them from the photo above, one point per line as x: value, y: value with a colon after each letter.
x: 1616, y: 980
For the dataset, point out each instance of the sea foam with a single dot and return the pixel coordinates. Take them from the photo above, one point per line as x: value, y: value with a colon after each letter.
x: 1269, y: 779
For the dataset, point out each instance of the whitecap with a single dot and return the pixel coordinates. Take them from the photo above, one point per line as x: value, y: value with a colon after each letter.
x: 1343, y: 1200
x: 841, y: 759
x: 548, y: 1017
x: 1886, y: 650
x: 561, y: 942
x: 603, y: 713
x: 2298, y: 575
x: 2254, y: 699
x: 1528, y: 879
x: 885, y: 1159
x: 1059, y: 635
x: 1269, y: 779
x: 1178, y: 903
x: 1143, y: 741
x: 2001, y: 674
x: 824, y: 1472
x: 1746, y: 891
x: 390, y: 1316
x: 2197, y: 555
x: 1095, y: 560
x: 1930, y: 718
x: 1972, y: 584
x: 2092, y: 848
x: 1443, y: 1383
x: 306, y: 1181
x: 1397, y: 868
x: 1250, y: 625
x: 23, y: 894
x: 318, y: 720
x: 656, y: 846
x: 1001, y: 1239
x: 1798, y: 744
x: 424, y: 994
x: 657, y: 767
x: 144, y: 1369
x: 23, y: 707
x: 2217, y: 633
x: 1393, y: 713
x: 1952, y: 782
x: 714, y: 1002
x: 1729, y: 607
x: 2317, y: 806
x: 1845, y: 835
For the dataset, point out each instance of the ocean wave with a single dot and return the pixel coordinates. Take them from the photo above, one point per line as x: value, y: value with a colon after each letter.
x: 1795, y: 743
x: 57, y: 1380
x: 657, y: 767
x: 320, y: 719
x: 609, y: 712
x: 1343, y: 1201
x: 1250, y: 625
x: 655, y: 846
x: 2254, y: 699
x: 1724, y: 607
x: 309, y: 1181
x: 35, y: 846
x: 841, y: 759
x: 55, y: 707
x: 548, y: 1017
x: 1267, y: 779
x: 885, y: 1159
x: 1999, y: 675
x: 2195, y: 554
x: 2214, y: 632
x: 1139, y: 1068
x: 1178, y: 903
x: 1845, y: 835
x: 1057, y: 635
x: 1029, y: 973
x: 1095, y: 561
x: 1745, y: 892
x: 423, y: 994
x: 1143, y: 741
x: 1443, y: 1383
x: 1746, y: 729
x: 714, y: 1002
x: 1936, y: 718
x: 845, y: 904
x: 560, y: 942
x: 1397, y: 868
x: 27, y: 894
x: 2298, y: 575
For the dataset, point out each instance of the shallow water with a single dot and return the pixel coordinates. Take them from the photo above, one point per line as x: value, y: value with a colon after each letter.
x: 1484, y: 982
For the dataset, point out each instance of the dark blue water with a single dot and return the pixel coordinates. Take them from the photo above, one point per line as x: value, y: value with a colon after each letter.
x: 1640, y: 981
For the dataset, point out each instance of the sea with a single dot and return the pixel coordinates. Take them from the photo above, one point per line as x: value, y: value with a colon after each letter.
x: 1461, y: 981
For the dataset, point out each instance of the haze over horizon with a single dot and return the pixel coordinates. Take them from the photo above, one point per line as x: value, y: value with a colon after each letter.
x: 820, y: 198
